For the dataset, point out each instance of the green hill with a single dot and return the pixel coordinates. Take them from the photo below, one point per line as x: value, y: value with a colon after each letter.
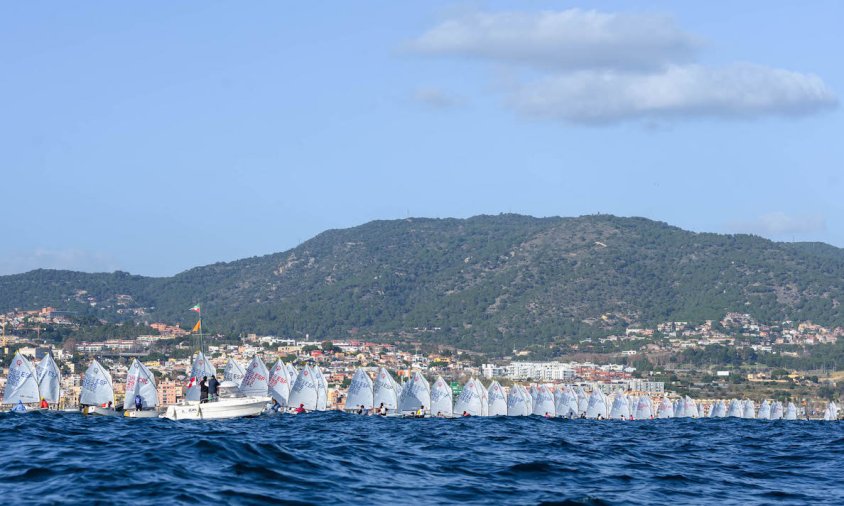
x: 488, y: 282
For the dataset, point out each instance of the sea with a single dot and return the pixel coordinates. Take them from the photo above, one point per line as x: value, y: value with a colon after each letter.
x: 337, y: 458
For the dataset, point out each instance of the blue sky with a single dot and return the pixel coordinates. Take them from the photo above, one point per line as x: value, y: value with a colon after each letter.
x: 160, y: 137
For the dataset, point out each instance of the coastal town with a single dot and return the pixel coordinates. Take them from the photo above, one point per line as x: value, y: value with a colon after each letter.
x: 168, y: 352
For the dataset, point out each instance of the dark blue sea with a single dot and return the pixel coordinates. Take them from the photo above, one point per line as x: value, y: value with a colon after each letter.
x: 339, y: 458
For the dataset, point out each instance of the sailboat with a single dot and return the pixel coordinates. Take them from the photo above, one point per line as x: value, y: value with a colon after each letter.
x: 360, y: 392
x: 644, y: 408
x: 665, y: 409
x: 748, y: 409
x: 279, y: 384
x: 415, y: 395
x: 735, y: 409
x: 718, y: 410
x: 441, y: 398
x: 385, y: 392
x: 544, y: 402
x: 140, y: 382
x: 256, y: 379
x: 322, y: 389
x: 831, y: 412
x: 304, y: 390
x: 518, y: 402
x: 597, y: 404
x: 97, y: 395
x: 233, y: 372
x: 620, y: 408
x: 776, y: 411
x: 469, y: 401
x: 49, y: 379
x: 791, y: 411
x: 21, y: 384
x: 764, y: 410
x: 497, y: 401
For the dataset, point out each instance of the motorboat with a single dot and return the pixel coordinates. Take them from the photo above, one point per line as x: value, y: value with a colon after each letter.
x: 230, y: 404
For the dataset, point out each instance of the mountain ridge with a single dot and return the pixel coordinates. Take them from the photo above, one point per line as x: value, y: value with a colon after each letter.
x: 489, y: 281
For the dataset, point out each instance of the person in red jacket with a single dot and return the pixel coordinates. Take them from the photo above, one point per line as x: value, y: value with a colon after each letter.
x: 44, y: 404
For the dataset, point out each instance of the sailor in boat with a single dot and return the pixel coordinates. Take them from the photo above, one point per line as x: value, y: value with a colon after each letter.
x: 276, y: 407
x: 203, y: 390
x: 213, y: 386
x: 44, y: 404
x: 420, y: 413
x: 301, y: 409
x: 362, y: 410
x: 382, y: 411
x: 466, y: 414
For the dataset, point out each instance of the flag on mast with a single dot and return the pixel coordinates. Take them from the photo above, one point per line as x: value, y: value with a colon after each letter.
x: 196, y: 309
x: 198, y: 326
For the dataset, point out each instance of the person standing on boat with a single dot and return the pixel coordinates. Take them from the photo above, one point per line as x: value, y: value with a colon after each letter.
x: 139, y: 403
x: 213, y: 386
x: 203, y: 390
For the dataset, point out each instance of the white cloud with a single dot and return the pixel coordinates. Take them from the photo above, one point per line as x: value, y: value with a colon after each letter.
x: 70, y: 259
x: 780, y: 224
x: 437, y: 98
x: 601, y: 68
x: 570, y: 39
x: 735, y: 91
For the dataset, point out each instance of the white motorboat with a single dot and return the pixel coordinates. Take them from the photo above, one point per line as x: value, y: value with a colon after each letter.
x: 231, y: 407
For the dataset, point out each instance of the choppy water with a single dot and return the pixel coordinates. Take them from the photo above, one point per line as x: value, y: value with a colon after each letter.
x: 338, y: 458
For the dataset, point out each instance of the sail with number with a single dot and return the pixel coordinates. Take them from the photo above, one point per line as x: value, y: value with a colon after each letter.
x: 97, y: 388
x: 140, y: 382
x: 233, y: 372
x: 256, y: 381
x: 544, y: 404
x: 469, y: 401
x: 292, y: 373
x: 415, y: 394
x: 497, y: 401
x: 620, y: 408
x: 304, y: 390
x: 279, y: 384
x: 22, y: 383
x: 597, y: 404
x: 665, y: 409
x: 644, y: 408
x: 322, y: 389
x: 441, y: 398
x: 384, y: 391
x: 517, y: 402
x: 202, y: 367
x: 49, y: 379
x: 360, y: 391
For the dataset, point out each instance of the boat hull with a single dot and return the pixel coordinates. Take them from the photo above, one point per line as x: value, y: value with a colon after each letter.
x: 222, y: 409
x: 149, y: 413
x: 98, y: 411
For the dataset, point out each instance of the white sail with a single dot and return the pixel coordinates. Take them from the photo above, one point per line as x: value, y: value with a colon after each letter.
x: 140, y: 381
x: 49, y: 379
x: 831, y: 412
x: 97, y: 388
x: 292, y: 373
x: 279, y: 384
x: 791, y: 411
x: 533, y: 391
x: 202, y: 368
x: 776, y: 411
x: 233, y: 372
x: 597, y: 404
x: 764, y: 410
x: 441, y: 398
x: 565, y: 402
x: 256, y: 381
x: 360, y: 391
x: 497, y: 404
x: 484, y: 398
x: 322, y: 389
x: 415, y: 394
x: 517, y: 402
x: 749, y: 409
x: 734, y: 410
x: 544, y: 404
x: 632, y: 402
x: 719, y: 410
x: 384, y: 391
x: 644, y: 408
x: 689, y: 407
x: 620, y: 408
x: 304, y: 390
x: 582, y: 401
x: 469, y: 401
x: 665, y: 409
x: 21, y: 384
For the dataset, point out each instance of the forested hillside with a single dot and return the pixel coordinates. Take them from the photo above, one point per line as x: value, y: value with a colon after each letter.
x: 488, y: 282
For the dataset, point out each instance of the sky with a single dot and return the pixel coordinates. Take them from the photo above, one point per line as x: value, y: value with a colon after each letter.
x: 158, y: 137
